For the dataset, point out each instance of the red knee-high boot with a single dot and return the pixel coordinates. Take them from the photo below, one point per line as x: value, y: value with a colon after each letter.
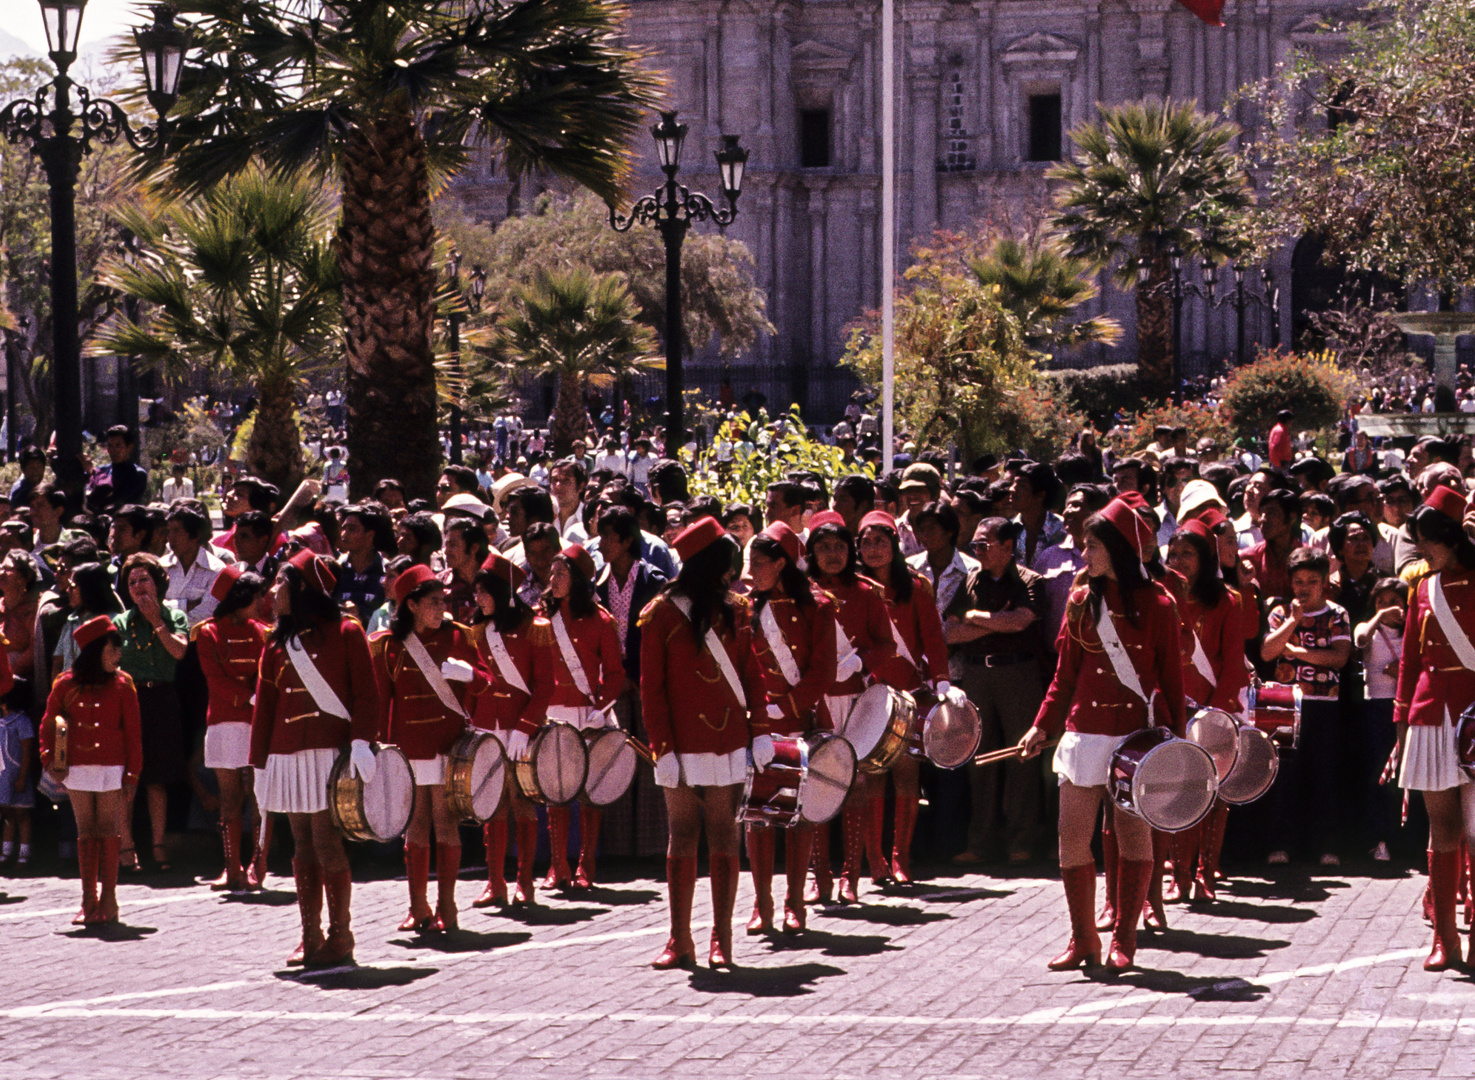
x: 1131, y: 893
x: 256, y: 872
x: 494, y: 837
x: 797, y: 843
x: 558, y: 872
x: 853, y: 837
x: 681, y: 885
x: 527, y: 847
x: 1444, y: 880
x: 107, y: 878
x: 337, y: 947
x: 589, y: 822
x: 233, y: 877
x: 1080, y: 899
x: 447, y: 868
x: 1106, y: 918
x: 1467, y: 885
x: 87, y: 855
x: 875, y: 830
x: 901, y: 842
x: 1154, y: 915
x: 309, y: 881
x: 1183, y: 849
x: 724, y: 872
x: 822, y: 890
x: 761, y: 845
x: 1211, y: 844
x: 417, y: 873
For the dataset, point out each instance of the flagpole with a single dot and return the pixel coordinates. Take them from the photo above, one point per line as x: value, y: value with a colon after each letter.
x: 888, y: 233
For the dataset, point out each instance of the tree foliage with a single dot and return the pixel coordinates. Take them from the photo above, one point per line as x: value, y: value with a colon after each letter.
x: 1138, y: 430
x: 1044, y: 286
x: 778, y: 453
x: 1310, y: 383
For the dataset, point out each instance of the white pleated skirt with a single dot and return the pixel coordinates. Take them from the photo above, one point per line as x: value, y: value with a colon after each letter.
x: 839, y: 708
x: 296, y: 783
x: 1085, y: 760
x: 713, y: 770
x: 94, y: 778
x: 429, y: 771
x: 581, y: 716
x: 228, y: 746
x: 1431, y: 758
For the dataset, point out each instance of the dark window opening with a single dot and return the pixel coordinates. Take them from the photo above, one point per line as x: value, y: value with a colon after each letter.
x: 814, y: 138
x: 1044, y: 127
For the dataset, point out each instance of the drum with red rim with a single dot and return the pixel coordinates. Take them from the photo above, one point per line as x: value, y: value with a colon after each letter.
x: 1218, y: 733
x: 1168, y: 782
x: 1255, y: 767
x: 771, y: 794
x: 1275, y: 708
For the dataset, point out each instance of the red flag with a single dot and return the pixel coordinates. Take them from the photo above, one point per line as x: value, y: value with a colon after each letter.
x: 1207, y: 10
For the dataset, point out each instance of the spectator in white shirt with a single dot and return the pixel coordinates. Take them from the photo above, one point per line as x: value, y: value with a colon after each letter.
x: 566, y: 485
x: 178, y: 486
x: 191, y: 565
x: 610, y: 459
x: 947, y: 568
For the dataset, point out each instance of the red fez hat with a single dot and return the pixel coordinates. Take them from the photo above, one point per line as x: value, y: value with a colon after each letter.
x: 1212, y: 517
x: 314, y: 570
x: 1130, y: 524
x: 1448, y: 502
x: 410, y: 580
x: 576, y: 555
x: 1135, y: 499
x: 94, y: 628
x: 825, y: 517
x: 1198, y: 528
x: 881, y: 519
x: 786, y: 538
x: 220, y: 588
x: 504, y: 568
x: 698, y: 536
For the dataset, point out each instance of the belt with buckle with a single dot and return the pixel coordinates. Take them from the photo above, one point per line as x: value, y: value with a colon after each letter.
x: 992, y: 660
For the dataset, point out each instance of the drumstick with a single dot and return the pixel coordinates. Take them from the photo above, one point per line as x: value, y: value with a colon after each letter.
x: 1404, y: 819
x: 993, y: 757
x: 640, y: 748
x: 1390, y: 770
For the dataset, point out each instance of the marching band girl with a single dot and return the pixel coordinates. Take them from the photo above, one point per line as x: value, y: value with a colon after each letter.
x: 317, y: 696
x: 517, y: 648
x: 795, y: 638
x: 1120, y: 670
x: 702, y: 693
x: 429, y: 677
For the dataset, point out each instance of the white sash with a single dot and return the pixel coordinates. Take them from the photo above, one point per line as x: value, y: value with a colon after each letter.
x: 847, y: 659
x: 1455, y: 634
x: 416, y: 648
x: 323, y: 695
x: 778, y: 646
x: 571, y: 656
x: 718, y: 651
x: 1201, y: 661
x: 503, y: 659
x: 901, y: 645
x: 1121, y: 663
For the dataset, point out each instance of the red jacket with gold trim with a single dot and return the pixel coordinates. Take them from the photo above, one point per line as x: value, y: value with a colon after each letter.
x: 287, y: 719
x: 412, y: 715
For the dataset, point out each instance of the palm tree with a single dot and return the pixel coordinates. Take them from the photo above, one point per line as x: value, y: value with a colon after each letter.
x: 1045, y: 286
x: 582, y: 328
x: 386, y: 97
x: 1147, y: 179
x: 242, y: 278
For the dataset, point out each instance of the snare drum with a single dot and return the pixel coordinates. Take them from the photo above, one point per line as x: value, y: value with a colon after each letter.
x: 377, y: 810
x: 1255, y: 767
x: 556, y: 765
x: 771, y: 794
x: 950, y: 734
x: 1275, y: 708
x: 1218, y: 733
x: 878, y: 726
x: 831, y: 773
x: 1168, y: 782
x: 1465, y: 741
x: 612, y: 762
x: 476, y: 777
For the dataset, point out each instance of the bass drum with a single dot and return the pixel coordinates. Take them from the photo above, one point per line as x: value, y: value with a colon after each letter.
x: 831, y: 773
x: 1218, y: 733
x: 1255, y: 767
x: 612, y: 762
x: 378, y: 810
x: 951, y: 734
x: 878, y: 726
x: 1168, y: 782
x: 556, y: 765
x: 476, y: 777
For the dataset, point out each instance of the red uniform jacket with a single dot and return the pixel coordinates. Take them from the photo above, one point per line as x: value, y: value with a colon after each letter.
x: 102, y: 724
x: 861, y: 610
x: 287, y: 719
x: 1087, y: 697
x: 412, y: 717
x: 504, y: 707
x: 809, y: 632
x: 921, y: 628
x: 230, y: 656
x: 1221, y: 633
x: 596, y: 640
x: 1432, y: 683
x: 686, y: 701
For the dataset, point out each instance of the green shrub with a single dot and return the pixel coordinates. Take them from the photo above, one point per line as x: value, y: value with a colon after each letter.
x: 1309, y: 384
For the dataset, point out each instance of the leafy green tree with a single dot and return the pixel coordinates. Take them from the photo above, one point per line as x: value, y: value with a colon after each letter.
x: 1147, y: 178
x: 745, y: 478
x: 242, y: 278
x: 385, y: 98
x: 1044, y: 287
x: 1310, y: 382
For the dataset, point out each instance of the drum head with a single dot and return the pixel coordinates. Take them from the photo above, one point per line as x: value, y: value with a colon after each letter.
x: 560, y: 762
x: 950, y: 734
x: 831, y: 772
x: 868, y: 720
x: 1174, y: 786
x: 1218, y: 733
x: 390, y: 797
x: 611, y: 768
x: 1255, y: 768
x: 488, y: 777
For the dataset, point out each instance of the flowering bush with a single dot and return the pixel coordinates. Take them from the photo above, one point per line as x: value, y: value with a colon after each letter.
x: 1200, y: 421
x: 1309, y: 384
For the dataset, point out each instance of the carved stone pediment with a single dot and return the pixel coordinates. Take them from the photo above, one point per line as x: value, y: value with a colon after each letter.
x: 816, y: 58
x: 1041, y: 47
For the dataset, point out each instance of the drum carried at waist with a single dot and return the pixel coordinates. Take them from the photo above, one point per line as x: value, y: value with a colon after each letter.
x: 612, y: 760
x: 1275, y: 708
x: 1218, y: 733
x: 378, y: 809
x: 878, y: 726
x: 949, y: 732
x: 1168, y: 782
x: 476, y: 777
x: 556, y: 765
x: 1255, y: 767
x: 805, y: 783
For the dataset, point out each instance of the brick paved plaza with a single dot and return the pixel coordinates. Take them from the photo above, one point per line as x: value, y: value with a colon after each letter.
x: 1287, y: 977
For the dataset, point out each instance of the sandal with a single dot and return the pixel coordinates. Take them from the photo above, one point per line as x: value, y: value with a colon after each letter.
x: 128, y: 860
x: 161, y: 858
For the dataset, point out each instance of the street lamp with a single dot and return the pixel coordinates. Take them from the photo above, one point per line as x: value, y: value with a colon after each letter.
x: 454, y: 320
x: 1238, y: 297
x: 49, y: 131
x: 672, y: 209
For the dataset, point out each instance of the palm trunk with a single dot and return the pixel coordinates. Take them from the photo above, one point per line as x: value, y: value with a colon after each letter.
x: 274, y: 450
x: 1155, y: 326
x: 567, y: 423
x: 385, y: 248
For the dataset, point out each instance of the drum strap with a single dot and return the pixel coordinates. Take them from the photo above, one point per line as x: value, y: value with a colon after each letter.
x: 416, y: 648
x: 571, y: 656
x: 774, y: 635
x: 1121, y: 663
x: 323, y: 695
x: 503, y: 659
x: 1454, y: 633
x: 718, y: 651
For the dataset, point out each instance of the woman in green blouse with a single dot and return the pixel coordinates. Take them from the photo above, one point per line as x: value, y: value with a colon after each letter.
x: 155, y: 636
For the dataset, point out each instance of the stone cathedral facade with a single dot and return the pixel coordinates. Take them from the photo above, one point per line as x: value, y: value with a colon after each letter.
x: 986, y: 92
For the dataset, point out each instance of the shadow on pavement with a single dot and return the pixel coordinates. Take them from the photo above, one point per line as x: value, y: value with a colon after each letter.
x: 832, y: 944
x: 460, y: 941
x: 1293, y: 885
x: 885, y: 914
x: 1210, y: 946
x: 602, y: 894
x: 1203, y: 988
x: 358, y: 978
x: 112, y: 932
x: 6, y: 898
x: 945, y: 894
x: 544, y: 915
x: 265, y: 898
x: 789, y: 981
x: 1271, y: 913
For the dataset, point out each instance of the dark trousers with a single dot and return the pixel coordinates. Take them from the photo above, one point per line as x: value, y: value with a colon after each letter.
x: 1007, y: 699
x: 1306, y: 798
x: 1380, y: 803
